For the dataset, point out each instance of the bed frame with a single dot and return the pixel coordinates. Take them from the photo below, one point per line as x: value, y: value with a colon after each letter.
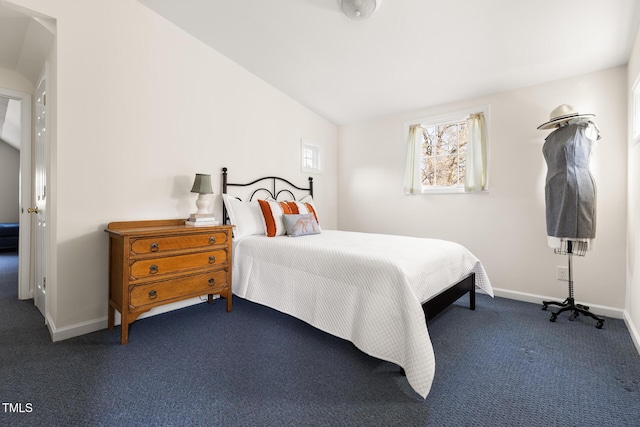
x: 277, y: 186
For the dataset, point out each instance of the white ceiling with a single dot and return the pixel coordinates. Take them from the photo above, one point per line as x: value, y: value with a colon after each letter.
x: 13, y: 29
x: 411, y: 53
x: 25, y: 40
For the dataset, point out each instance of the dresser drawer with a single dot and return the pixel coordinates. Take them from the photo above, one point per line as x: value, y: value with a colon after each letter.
x: 141, y: 246
x: 154, y: 267
x: 161, y: 292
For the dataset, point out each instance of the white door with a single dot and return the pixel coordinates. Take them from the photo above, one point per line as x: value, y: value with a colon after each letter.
x: 40, y: 193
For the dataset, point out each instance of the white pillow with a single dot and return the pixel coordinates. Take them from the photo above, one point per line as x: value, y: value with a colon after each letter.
x: 246, y: 216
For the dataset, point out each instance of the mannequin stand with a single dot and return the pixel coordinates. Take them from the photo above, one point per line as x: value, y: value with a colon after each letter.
x: 569, y: 304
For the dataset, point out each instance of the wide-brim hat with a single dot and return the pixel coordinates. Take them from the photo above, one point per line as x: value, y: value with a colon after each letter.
x: 561, y: 115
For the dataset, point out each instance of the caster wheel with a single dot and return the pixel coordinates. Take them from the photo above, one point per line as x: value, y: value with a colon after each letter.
x: 553, y: 318
x: 599, y: 325
x: 544, y: 307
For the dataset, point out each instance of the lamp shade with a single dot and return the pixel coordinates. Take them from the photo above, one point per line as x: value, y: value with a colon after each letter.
x: 202, y: 184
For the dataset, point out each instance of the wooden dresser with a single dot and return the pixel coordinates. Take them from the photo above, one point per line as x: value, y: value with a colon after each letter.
x: 152, y: 263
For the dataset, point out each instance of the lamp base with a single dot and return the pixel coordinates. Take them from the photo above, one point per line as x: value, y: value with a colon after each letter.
x: 202, y: 203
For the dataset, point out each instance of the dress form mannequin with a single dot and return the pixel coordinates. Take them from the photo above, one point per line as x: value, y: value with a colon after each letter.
x: 570, y: 193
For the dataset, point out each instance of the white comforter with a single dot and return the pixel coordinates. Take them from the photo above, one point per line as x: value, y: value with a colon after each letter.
x: 365, y: 288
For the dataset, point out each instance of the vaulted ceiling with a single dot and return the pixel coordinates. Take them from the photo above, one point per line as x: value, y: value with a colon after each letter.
x: 25, y: 41
x: 411, y: 53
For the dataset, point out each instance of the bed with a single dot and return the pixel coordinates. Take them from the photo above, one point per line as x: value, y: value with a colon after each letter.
x: 377, y: 291
x: 9, y: 232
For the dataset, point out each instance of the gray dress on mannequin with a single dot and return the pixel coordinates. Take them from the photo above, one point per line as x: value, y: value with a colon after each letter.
x: 570, y: 190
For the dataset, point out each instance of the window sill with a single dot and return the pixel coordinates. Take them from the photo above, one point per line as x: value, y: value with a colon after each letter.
x: 445, y: 190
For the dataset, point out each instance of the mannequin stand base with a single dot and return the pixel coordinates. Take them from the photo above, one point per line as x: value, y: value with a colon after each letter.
x: 570, y: 305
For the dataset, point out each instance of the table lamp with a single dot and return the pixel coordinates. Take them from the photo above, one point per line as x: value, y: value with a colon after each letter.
x: 202, y: 186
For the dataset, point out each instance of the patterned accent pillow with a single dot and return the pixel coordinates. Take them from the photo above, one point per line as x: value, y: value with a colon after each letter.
x: 300, y: 224
x: 310, y: 205
x: 272, y: 213
x: 297, y: 207
x: 304, y: 206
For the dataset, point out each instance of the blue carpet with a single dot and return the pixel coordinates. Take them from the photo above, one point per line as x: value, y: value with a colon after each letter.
x: 503, y: 364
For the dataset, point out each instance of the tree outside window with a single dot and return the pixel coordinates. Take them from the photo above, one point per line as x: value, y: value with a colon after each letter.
x: 443, y: 154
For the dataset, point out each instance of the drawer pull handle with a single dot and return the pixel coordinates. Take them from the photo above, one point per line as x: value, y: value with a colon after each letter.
x: 153, y: 269
x: 153, y: 294
x: 154, y: 247
x: 212, y: 259
x: 212, y: 281
x: 212, y: 240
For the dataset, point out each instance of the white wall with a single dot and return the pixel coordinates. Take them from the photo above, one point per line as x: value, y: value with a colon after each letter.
x: 141, y: 107
x: 504, y: 227
x: 9, y: 183
x: 633, y: 232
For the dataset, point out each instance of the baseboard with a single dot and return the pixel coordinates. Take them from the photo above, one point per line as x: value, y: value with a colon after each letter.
x: 66, y: 332
x: 29, y: 295
x: 632, y: 330
x: 165, y: 308
x: 601, y: 310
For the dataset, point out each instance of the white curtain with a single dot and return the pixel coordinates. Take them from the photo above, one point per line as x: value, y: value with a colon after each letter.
x: 476, y: 171
x: 412, y: 181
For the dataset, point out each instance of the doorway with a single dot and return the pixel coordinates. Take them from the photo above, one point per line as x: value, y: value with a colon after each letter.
x: 16, y: 131
x: 30, y: 40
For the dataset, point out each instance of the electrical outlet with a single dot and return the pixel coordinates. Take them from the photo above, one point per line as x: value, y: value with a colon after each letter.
x: 562, y: 273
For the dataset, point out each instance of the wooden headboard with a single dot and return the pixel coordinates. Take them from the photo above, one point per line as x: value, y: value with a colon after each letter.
x: 267, y: 186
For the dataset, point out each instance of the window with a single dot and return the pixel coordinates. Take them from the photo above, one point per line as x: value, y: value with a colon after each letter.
x: 443, y: 153
x: 311, y: 157
x: 439, y: 150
